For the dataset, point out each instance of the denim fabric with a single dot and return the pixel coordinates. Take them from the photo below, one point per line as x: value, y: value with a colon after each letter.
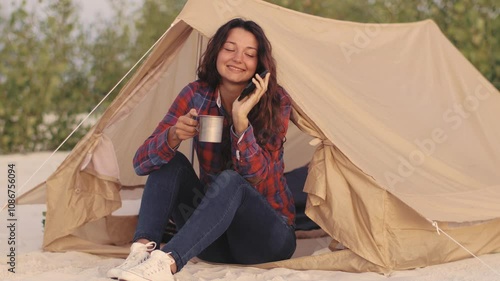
x: 228, y: 222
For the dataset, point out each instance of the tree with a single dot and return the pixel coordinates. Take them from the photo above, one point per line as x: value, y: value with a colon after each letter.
x: 64, y: 74
x: 119, y: 43
x: 154, y: 18
x: 54, y: 70
x: 109, y: 54
x: 42, y: 81
x: 17, y: 39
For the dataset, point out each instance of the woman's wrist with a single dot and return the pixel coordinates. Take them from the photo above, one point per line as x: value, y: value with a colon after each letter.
x: 240, y: 126
x: 172, y: 139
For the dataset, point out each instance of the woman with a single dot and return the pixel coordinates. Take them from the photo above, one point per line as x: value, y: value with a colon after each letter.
x: 240, y: 209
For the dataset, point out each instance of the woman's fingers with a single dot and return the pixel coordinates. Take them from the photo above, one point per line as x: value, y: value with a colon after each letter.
x: 192, y: 113
x: 243, y: 107
x: 187, y: 125
x: 261, y: 84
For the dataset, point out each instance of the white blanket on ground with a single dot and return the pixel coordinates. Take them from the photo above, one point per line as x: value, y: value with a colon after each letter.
x: 32, y: 264
x: 74, y: 266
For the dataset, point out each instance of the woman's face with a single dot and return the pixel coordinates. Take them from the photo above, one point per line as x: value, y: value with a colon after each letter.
x: 237, y: 59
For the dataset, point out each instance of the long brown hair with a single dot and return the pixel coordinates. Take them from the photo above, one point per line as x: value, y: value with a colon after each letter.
x: 265, y: 116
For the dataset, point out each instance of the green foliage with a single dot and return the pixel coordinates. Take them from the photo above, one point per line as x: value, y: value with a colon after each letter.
x: 154, y: 18
x: 40, y: 77
x: 108, y: 55
x: 54, y: 69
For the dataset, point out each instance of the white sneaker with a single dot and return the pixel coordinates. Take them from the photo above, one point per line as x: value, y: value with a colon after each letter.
x: 139, y: 253
x: 156, y: 268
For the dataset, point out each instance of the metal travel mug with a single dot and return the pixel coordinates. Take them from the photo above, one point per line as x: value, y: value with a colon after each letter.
x: 210, y: 128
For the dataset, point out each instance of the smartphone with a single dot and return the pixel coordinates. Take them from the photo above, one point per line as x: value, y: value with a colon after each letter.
x: 250, y: 87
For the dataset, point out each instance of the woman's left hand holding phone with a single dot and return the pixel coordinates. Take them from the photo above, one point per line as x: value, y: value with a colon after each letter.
x: 243, y: 107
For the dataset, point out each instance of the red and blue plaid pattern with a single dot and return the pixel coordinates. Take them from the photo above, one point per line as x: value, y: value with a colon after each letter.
x: 262, y: 166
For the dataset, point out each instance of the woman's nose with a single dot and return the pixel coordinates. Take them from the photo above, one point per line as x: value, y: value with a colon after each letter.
x: 238, y: 56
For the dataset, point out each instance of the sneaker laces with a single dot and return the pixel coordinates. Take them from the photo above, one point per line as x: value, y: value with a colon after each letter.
x: 137, y: 251
x: 159, y: 261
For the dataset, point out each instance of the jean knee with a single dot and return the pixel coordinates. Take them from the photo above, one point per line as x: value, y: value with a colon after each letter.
x: 229, y: 178
x: 228, y: 175
x: 227, y: 182
x: 179, y: 160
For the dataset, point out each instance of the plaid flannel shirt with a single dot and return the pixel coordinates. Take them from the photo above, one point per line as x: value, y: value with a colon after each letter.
x: 262, y: 166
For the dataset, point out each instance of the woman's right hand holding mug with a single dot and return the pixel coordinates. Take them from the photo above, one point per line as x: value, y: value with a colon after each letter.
x: 185, y: 128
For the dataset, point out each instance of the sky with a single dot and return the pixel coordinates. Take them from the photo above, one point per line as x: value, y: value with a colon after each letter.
x: 93, y: 8
x: 90, y: 9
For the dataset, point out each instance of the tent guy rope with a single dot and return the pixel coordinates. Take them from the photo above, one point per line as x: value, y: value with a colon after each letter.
x: 88, y: 115
x: 439, y: 231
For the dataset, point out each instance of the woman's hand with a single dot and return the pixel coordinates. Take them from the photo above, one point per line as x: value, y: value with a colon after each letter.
x: 185, y: 128
x: 243, y: 107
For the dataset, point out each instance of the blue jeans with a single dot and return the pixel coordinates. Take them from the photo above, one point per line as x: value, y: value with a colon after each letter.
x: 228, y: 222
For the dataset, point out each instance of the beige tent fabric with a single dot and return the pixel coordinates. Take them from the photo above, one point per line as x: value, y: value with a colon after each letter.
x: 376, y: 225
x: 398, y: 99
x: 404, y: 128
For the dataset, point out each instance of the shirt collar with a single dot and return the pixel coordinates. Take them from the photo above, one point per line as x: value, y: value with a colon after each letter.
x: 218, y: 100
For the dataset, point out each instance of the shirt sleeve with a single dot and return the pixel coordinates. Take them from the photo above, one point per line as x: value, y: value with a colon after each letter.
x: 251, y: 160
x: 155, y: 151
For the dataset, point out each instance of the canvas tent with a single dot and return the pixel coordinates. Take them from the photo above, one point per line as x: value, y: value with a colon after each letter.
x: 404, y: 128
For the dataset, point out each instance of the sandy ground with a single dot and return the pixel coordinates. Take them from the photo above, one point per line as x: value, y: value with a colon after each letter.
x: 34, y: 264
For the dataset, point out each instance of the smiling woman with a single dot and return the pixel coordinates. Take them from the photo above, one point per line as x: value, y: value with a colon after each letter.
x: 236, y: 64
x: 240, y: 209
x: 237, y: 60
